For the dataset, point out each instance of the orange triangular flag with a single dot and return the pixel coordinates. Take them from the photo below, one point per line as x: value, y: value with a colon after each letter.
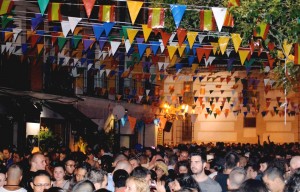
x: 8, y: 35
x: 40, y: 47
x: 181, y: 34
x: 88, y: 5
x: 165, y: 37
x: 134, y: 8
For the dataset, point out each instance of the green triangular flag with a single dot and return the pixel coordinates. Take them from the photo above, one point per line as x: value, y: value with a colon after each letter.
x: 43, y: 5
x: 76, y: 39
x: 215, y: 114
x: 123, y: 32
x: 61, y: 42
x: 5, y: 21
x: 153, y: 77
x: 129, y: 64
x: 228, y: 99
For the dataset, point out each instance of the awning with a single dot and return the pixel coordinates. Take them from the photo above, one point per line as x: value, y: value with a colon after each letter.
x: 69, y: 112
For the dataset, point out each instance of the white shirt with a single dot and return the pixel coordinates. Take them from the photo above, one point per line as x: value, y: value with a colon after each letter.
x: 19, y: 190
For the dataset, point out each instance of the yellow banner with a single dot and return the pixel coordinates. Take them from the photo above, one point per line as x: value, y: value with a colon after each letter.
x: 223, y: 42
x: 131, y: 34
x: 146, y: 31
x: 134, y: 8
x: 236, y: 39
x: 172, y: 50
x: 243, y: 55
x: 191, y: 36
x: 181, y: 49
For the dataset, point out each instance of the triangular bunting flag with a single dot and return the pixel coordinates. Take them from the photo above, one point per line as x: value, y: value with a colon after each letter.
x: 236, y: 39
x: 114, y: 46
x: 219, y: 14
x: 108, y: 26
x: 146, y: 31
x: 191, y: 36
x: 88, y: 5
x: 177, y: 12
x: 43, y: 5
x: 65, y: 25
x: 131, y: 34
x: 172, y: 50
x: 243, y: 55
x: 74, y: 22
x: 134, y: 8
x: 223, y: 42
x: 142, y: 47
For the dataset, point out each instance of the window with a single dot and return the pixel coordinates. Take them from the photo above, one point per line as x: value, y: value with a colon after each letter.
x: 250, y: 122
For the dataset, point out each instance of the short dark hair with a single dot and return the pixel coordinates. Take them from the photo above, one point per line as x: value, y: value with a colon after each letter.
x: 41, y: 173
x: 140, y: 172
x: 200, y: 154
x: 231, y: 160
x: 273, y: 173
x: 253, y: 185
x: 119, y: 177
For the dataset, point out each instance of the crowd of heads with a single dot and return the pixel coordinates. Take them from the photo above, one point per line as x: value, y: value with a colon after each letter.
x: 183, y: 168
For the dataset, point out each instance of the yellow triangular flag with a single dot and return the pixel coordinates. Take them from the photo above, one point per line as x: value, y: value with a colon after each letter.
x: 146, y: 31
x: 173, y: 61
x: 8, y: 35
x: 287, y: 47
x: 215, y: 47
x: 236, y: 39
x: 172, y: 50
x: 148, y: 52
x: 134, y: 8
x: 131, y: 34
x: 181, y: 49
x: 194, y: 66
x: 191, y: 36
x: 243, y: 55
x: 29, y: 34
x: 40, y: 47
x: 223, y: 42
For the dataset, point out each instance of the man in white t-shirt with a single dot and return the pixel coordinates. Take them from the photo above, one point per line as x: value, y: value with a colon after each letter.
x: 14, y: 176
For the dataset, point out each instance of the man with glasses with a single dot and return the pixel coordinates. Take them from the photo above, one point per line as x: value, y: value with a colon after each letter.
x: 70, y: 168
x: 41, y: 181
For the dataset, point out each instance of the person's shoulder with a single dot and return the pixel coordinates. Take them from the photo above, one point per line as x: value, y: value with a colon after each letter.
x: 212, y: 182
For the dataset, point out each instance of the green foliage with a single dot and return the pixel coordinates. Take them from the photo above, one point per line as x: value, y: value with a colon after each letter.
x: 287, y: 77
x: 47, y: 140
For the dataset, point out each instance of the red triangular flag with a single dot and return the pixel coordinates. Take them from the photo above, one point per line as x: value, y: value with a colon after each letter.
x: 88, y: 5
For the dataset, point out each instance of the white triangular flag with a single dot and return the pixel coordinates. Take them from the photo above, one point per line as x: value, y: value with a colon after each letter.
x: 162, y: 47
x: 18, y: 51
x: 75, y: 61
x: 107, y: 72
x: 172, y: 37
x: 110, y: 52
x: 16, y: 33
x: 101, y: 72
x: 127, y: 45
x: 140, y: 97
x: 228, y: 51
x: 104, y: 54
x: 266, y: 81
x: 66, y: 61
x: 8, y: 45
x: 166, y: 65
x: 147, y: 92
x: 209, y: 60
x: 114, y: 46
x: 201, y: 37
x: 74, y: 22
x: 65, y: 25
x: 11, y: 49
x: 90, y: 66
x: 74, y: 72
x: 98, y: 54
x: 3, y: 48
x: 219, y: 14
x: 160, y: 65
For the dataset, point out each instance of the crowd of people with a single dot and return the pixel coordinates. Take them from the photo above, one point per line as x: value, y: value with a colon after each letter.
x: 218, y: 167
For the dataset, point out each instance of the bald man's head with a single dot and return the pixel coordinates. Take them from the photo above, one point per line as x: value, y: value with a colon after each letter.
x: 14, y: 174
x: 124, y: 164
x: 295, y: 163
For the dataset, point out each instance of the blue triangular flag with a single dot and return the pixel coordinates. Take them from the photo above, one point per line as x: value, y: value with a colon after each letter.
x: 154, y: 45
x: 98, y: 30
x: 87, y: 43
x: 102, y: 42
x: 178, y: 66
x: 142, y: 47
x: 36, y: 21
x: 191, y: 60
x: 177, y: 12
x: 195, y: 46
x: 108, y: 26
x: 24, y: 48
